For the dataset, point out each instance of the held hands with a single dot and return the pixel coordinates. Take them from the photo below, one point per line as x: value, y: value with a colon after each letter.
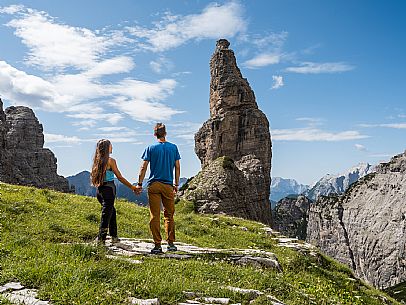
x: 175, y: 188
x: 137, y: 189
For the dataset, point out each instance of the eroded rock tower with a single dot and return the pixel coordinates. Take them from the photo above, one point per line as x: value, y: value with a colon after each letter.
x: 233, y: 145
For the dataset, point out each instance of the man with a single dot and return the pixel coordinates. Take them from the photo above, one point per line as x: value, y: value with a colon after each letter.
x: 163, y: 158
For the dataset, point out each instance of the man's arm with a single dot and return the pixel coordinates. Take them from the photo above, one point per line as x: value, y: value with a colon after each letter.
x: 177, y: 175
x: 141, y: 176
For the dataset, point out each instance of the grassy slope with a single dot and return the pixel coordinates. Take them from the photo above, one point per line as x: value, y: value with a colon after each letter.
x: 41, y: 245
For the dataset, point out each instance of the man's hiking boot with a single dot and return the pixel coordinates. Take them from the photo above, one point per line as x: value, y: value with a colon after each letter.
x: 172, y: 248
x: 157, y: 250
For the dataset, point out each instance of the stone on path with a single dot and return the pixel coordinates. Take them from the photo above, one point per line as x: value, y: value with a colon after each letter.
x: 211, y: 300
x: 24, y: 296
x: 125, y: 259
x: 261, y: 262
x: 11, y: 286
x: 144, y: 301
x: 252, y: 293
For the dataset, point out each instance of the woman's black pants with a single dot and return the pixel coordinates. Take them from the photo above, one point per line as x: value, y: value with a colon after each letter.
x: 105, y: 195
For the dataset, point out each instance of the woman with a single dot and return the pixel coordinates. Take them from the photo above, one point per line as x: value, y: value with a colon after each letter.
x: 103, y: 170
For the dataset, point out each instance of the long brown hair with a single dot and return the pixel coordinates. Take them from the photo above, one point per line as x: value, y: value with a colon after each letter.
x: 100, y: 160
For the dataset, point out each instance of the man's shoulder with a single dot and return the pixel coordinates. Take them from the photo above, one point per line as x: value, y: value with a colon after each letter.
x: 153, y: 145
x: 172, y: 145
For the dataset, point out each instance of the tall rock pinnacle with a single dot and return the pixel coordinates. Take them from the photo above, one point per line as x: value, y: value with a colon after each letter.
x: 239, y: 132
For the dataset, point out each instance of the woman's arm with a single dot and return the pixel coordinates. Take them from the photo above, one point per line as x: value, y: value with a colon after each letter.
x: 114, y: 168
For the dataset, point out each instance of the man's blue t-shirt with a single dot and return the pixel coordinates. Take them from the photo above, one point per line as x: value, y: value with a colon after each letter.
x: 162, y: 157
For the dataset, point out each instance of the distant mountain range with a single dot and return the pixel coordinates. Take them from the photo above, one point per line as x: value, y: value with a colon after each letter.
x: 329, y: 184
x: 281, y: 188
x: 81, y: 182
x: 338, y: 184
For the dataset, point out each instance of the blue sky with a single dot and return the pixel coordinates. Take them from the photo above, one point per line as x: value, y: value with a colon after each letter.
x: 329, y: 75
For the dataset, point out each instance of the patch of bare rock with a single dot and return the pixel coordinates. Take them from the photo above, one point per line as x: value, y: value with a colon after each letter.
x: 18, y: 294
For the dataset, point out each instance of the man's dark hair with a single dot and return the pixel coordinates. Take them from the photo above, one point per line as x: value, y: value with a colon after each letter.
x: 160, y: 130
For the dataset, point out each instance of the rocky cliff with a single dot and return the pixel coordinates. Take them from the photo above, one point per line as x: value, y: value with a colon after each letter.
x: 365, y: 228
x: 23, y: 160
x: 290, y: 216
x: 239, y: 131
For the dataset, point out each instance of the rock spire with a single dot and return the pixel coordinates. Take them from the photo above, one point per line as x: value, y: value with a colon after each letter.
x: 238, y: 133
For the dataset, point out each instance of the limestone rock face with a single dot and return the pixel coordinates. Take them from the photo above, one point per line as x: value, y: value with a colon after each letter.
x: 23, y: 160
x: 238, y: 130
x: 290, y: 216
x: 366, y: 227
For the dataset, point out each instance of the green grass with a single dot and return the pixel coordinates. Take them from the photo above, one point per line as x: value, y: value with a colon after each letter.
x: 43, y: 236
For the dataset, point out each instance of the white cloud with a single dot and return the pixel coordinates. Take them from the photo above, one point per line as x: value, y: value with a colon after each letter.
x: 118, y: 134
x: 277, y: 81
x: 56, y: 45
x: 142, y: 100
x: 381, y: 155
x: 79, y: 87
x: 57, y: 138
x: 262, y: 60
x: 73, y: 93
x: 22, y: 88
x: 317, y: 68
x: 113, y: 128
x: 309, y: 119
x: 119, y: 64
x: 394, y: 125
x: 391, y: 125
x: 12, y: 9
x: 161, y: 65
x: 215, y: 21
x: 184, y: 130
x: 85, y: 124
x: 273, y: 40
x: 112, y: 118
x: 76, y: 60
x: 311, y: 122
x: 313, y: 134
x: 360, y: 147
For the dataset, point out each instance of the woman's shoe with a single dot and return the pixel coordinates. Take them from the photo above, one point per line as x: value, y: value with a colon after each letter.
x: 100, y: 241
x: 115, y: 240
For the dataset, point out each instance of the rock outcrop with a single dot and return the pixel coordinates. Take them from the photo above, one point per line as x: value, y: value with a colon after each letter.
x: 23, y: 160
x: 290, y: 216
x: 239, y: 131
x: 365, y: 228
